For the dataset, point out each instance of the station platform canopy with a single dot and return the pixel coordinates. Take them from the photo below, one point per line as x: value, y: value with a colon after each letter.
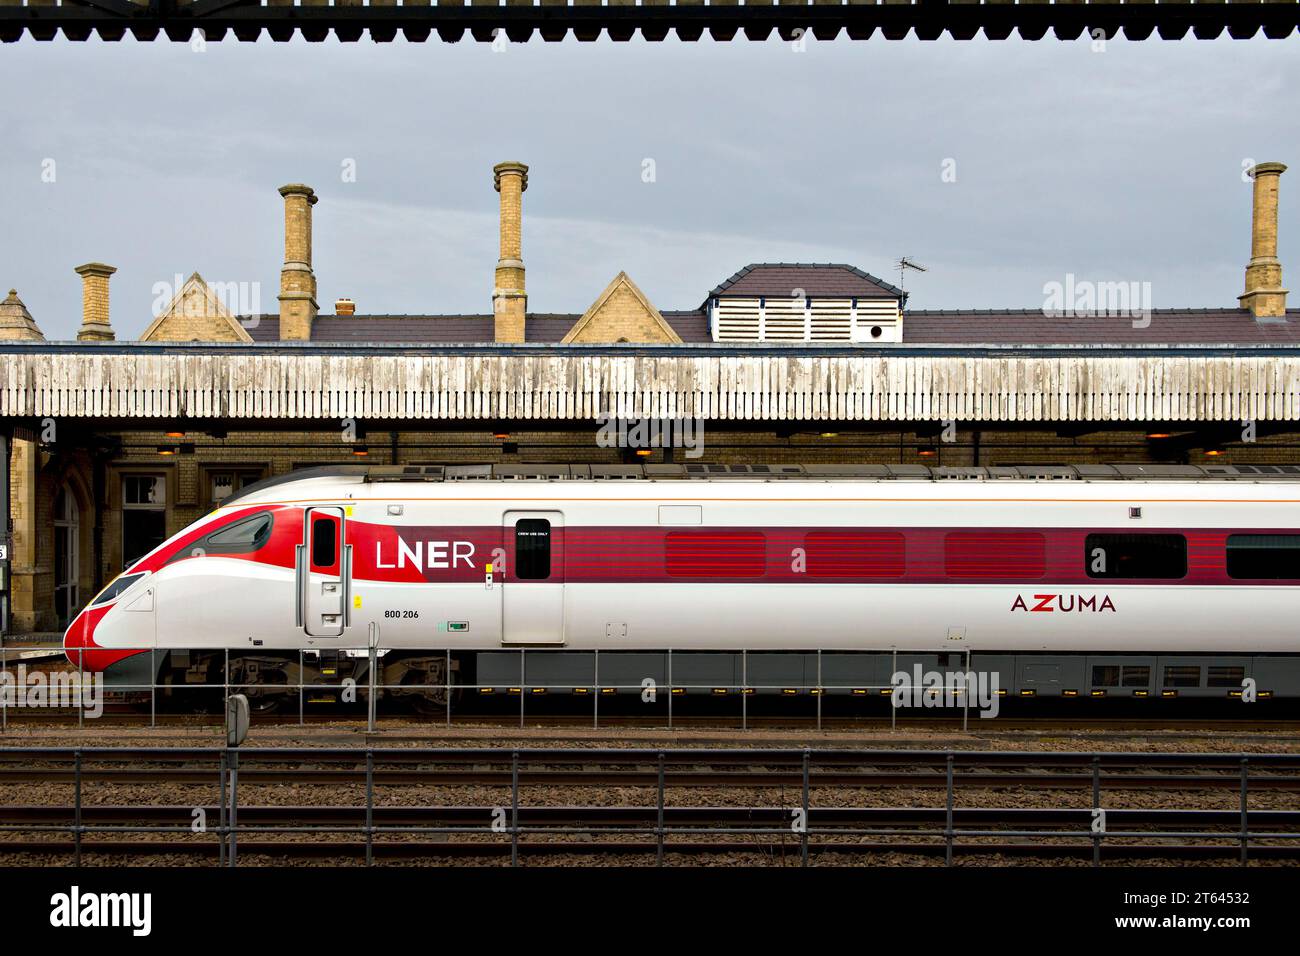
x: 652, y: 20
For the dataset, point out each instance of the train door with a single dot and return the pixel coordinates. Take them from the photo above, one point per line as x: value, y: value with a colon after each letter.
x: 324, y: 571
x: 532, y: 589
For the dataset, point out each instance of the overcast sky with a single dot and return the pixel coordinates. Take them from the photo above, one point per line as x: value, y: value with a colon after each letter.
x: 1122, y: 165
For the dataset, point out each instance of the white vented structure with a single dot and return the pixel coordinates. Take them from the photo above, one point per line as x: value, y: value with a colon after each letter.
x: 805, y: 319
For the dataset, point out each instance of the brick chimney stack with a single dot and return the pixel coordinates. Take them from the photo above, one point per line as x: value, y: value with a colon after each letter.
x: 95, y: 326
x: 345, y: 307
x: 1264, y: 296
x: 509, y: 300
x: 297, y: 281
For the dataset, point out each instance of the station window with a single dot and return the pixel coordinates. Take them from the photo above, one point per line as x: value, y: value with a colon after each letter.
x: 1225, y: 676
x: 855, y: 554
x: 1264, y: 556
x: 1132, y: 556
x: 1007, y: 555
x: 716, y: 554
x: 1182, y: 675
x: 223, y: 482
x: 144, y: 515
x: 532, y: 549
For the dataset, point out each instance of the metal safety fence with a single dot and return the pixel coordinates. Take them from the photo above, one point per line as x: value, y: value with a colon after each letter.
x: 352, y: 675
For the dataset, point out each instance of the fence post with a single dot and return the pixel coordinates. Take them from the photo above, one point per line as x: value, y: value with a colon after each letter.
x: 373, y: 641
x: 893, y: 705
x: 803, y: 837
x: 523, y: 688
x: 595, y: 691
x: 659, y: 824
x: 670, y: 688
x: 221, y: 810
x: 1245, y: 806
x: 965, y: 695
x: 514, y: 804
x: 744, y: 689
x: 947, y: 828
x: 1096, y: 805
x: 370, y: 806
x: 821, y: 691
x: 153, y: 686
x: 234, y: 806
x: 77, y: 808
x: 302, y: 663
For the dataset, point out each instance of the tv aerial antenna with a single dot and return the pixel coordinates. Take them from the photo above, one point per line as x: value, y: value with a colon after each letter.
x: 904, y: 264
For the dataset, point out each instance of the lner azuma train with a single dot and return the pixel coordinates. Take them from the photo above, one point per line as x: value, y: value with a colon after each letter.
x: 1086, y: 581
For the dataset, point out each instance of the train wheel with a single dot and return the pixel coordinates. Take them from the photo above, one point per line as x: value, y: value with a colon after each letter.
x: 427, y: 696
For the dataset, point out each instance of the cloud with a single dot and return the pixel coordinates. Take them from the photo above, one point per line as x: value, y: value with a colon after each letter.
x: 1120, y: 165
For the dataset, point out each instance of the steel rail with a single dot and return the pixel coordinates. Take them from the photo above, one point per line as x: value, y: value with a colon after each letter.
x: 473, y: 830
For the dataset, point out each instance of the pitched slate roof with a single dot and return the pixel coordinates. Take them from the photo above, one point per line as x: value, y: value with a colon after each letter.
x: 543, y: 328
x: 1032, y: 327
x: 948, y: 327
x: 1010, y: 327
x: 815, y: 279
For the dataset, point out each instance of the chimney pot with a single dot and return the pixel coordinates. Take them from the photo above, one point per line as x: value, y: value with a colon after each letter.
x: 1264, y: 295
x: 95, y: 326
x: 509, y: 298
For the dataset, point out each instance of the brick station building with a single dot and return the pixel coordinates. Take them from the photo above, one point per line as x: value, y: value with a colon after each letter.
x: 111, y: 445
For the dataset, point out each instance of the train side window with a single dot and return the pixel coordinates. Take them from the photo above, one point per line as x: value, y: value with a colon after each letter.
x: 1273, y: 557
x: 715, y: 554
x: 1136, y: 676
x: 324, y: 541
x: 855, y: 554
x: 532, y: 549
x: 117, y: 587
x: 241, y: 537
x: 1105, y: 675
x: 1225, y: 676
x: 1005, y: 555
x: 1134, y: 556
x: 1182, y: 675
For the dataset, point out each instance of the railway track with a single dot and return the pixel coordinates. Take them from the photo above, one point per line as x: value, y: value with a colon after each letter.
x: 381, y: 821
x: 632, y: 767
x: 786, y: 848
x: 393, y: 726
x: 466, y: 832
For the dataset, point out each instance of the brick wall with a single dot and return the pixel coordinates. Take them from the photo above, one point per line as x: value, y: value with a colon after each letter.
x: 622, y: 317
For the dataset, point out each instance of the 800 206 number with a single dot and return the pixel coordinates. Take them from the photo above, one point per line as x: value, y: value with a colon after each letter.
x: 401, y: 614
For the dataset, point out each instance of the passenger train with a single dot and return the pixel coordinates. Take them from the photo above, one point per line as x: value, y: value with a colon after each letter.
x: 1073, y: 581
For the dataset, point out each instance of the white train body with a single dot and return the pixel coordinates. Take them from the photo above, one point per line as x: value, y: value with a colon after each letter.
x: 1021, y: 567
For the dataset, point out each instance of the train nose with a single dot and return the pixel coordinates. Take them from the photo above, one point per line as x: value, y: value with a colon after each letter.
x: 79, y: 644
x: 78, y: 637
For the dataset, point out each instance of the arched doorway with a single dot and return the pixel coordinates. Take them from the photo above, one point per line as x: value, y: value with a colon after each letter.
x: 67, y: 556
